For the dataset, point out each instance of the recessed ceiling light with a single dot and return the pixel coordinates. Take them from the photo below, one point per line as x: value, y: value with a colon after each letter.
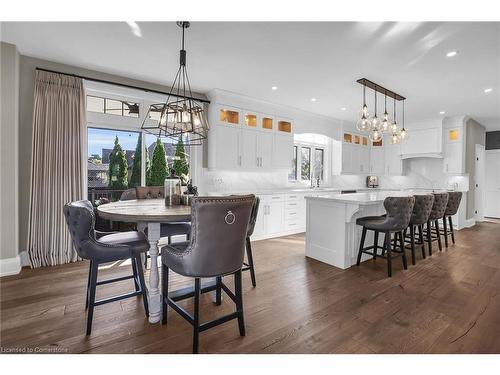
x: 488, y: 90
x: 451, y: 53
x: 442, y: 112
x: 343, y: 108
x: 134, y: 27
x: 313, y: 99
x: 274, y: 88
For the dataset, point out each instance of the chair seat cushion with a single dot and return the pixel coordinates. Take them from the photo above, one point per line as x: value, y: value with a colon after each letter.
x: 363, y: 220
x: 136, y: 242
x: 175, y: 229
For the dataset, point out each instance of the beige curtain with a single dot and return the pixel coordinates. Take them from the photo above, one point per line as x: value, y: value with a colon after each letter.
x: 57, y: 165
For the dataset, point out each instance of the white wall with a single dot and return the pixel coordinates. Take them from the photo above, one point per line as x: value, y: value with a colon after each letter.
x: 9, y: 166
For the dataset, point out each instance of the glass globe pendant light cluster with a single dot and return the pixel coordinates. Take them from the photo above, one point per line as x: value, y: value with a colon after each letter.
x: 378, y: 127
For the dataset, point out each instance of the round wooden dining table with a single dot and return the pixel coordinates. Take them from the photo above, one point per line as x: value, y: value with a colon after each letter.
x: 147, y: 213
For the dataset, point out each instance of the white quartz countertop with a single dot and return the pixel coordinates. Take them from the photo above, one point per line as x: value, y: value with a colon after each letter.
x: 321, y: 190
x: 289, y: 191
x: 367, y: 198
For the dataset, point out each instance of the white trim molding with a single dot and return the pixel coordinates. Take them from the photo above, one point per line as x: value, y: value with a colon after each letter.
x: 10, y: 266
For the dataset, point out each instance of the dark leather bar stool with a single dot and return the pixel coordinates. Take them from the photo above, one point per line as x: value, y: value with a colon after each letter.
x: 454, y: 198
x: 420, y: 215
x: 399, y: 210
x: 216, y: 249
x: 248, y: 266
x: 102, y: 249
x: 437, y: 212
x: 167, y: 230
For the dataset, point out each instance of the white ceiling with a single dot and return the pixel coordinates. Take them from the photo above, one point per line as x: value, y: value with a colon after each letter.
x: 305, y: 60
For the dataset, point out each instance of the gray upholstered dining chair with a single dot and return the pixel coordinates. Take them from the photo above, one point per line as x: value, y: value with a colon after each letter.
x: 399, y: 210
x: 100, y: 248
x: 167, y: 230
x: 437, y: 212
x: 419, y: 216
x: 216, y: 249
x: 454, y: 198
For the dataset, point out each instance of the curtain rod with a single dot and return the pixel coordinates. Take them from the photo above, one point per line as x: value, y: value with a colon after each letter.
x: 121, y: 84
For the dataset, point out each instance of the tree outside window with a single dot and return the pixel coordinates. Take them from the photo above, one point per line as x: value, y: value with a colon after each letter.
x: 318, y: 163
x: 292, y: 176
x: 305, y: 167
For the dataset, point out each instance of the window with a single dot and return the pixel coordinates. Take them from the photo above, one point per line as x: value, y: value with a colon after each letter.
x: 112, y: 106
x: 318, y: 163
x: 305, y: 165
x: 308, y: 161
x: 113, y: 164
x: 292, y: 176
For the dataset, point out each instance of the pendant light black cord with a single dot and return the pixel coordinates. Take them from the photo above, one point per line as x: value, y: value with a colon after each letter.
x: 375, y: 91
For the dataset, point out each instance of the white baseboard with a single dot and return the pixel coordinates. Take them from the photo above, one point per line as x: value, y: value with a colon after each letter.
x: 25, y: 262
x: 10, y: 266
x: 470, y: 223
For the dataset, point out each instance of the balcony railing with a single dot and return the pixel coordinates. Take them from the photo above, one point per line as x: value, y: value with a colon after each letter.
x: 96, y: 194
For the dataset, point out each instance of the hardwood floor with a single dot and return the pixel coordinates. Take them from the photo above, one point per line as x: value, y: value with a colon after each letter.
x: 447, y: 303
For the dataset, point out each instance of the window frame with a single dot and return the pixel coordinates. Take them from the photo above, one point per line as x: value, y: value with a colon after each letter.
x: 298, y: 162
x: 108, y: 121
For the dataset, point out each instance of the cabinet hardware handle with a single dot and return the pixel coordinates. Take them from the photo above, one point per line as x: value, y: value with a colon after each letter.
x: 239, y: 160
x: 257, y: 162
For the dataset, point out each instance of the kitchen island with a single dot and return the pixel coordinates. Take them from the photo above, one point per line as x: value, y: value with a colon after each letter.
x: 332, y: 235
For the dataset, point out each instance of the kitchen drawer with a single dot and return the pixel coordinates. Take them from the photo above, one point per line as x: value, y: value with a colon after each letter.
x: 269, y: 198
x: 295, y: 205
x: 293, y: 225
x: 294, y: 197
x: 293, y: 214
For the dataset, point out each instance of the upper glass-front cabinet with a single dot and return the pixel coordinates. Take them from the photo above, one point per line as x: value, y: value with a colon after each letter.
x: 229, y: 116
x: 267, y: 123
x: 453, y: 135
x: 284, y: 126
x: 251, y: 120
x: 347, y: 138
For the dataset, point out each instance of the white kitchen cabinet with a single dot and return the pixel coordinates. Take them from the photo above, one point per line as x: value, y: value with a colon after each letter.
x: 228, y: 157
x: 377, y: 158
x: 248, y: 141
x: 355, y: 154
x: 260, y: 223
x: 453, y: 161
x: 282, y: 151
x: 265, y: 149
x: 393, y: 162
x: 275, y: 217
x: 248, y: 146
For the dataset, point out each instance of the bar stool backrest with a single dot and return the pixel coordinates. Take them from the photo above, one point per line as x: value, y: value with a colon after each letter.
x: 218, y: 234
x: 80, y: 219
x: 399, y: 210
x: 149, y: 192
x: 128, y: 195
x: 422, y: 209
x: 454, y: 198
x: 439, y: 206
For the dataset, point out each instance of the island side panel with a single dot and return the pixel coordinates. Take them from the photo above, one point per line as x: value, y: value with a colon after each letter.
x: 332, y: 235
